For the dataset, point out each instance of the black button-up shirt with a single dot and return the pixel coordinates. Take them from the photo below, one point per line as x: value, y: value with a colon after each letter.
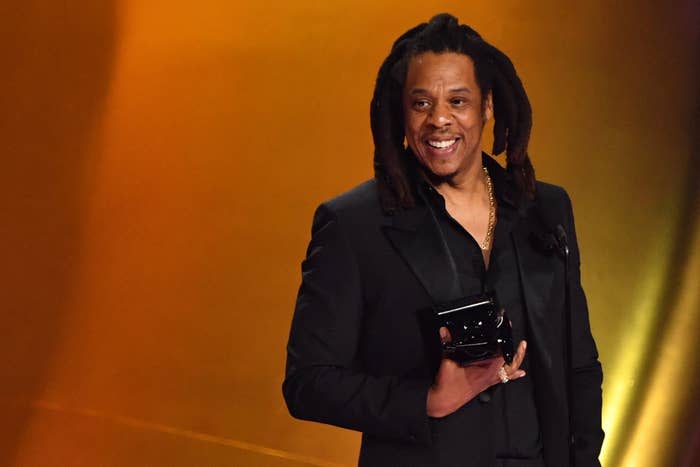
x: 515, y: 428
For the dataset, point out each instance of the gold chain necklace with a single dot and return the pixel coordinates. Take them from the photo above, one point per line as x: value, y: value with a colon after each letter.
x: 492, y: 212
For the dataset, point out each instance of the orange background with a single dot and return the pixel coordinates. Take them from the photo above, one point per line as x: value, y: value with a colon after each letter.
x: 161, y: 164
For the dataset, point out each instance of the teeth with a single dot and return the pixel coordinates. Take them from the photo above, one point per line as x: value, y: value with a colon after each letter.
x: 442, y: 144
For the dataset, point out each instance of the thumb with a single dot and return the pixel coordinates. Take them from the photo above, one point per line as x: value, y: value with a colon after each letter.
x: 445, y: 335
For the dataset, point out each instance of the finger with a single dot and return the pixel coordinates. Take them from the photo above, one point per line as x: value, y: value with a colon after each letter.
x: 445, y: 335
x: 502, y: 375
x: 513, y: 370
x: 519, y: 356
x: 515, y: 373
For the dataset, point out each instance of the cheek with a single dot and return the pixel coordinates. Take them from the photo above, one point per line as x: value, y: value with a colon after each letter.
x: 471, y: 119
x: 412, y: 127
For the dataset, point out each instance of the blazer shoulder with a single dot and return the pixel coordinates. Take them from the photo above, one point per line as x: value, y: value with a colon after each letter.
x: 553, y: 203
x: 361, y: 201
x: 549, y: 192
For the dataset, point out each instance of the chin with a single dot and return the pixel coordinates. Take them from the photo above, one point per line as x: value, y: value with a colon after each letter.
x: 442, y: 173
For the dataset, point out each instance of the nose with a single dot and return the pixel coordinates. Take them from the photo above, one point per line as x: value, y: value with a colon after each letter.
x: 440, y: 116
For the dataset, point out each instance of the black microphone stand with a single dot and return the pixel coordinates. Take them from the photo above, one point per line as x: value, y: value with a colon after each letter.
x: 563, y: 247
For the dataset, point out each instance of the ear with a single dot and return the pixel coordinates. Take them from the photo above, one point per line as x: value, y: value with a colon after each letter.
x: 488, y: 107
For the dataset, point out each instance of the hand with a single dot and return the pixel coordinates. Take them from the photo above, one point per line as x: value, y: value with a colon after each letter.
x: 513, y: 370
x: 455, y: 385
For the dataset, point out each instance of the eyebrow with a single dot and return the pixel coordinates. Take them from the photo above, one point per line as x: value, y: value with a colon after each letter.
x: 418, y: 91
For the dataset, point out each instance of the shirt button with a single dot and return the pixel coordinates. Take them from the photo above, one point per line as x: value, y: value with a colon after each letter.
x: 485, y: 397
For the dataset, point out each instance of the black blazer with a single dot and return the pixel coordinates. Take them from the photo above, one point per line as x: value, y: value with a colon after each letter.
x: 356, y: 357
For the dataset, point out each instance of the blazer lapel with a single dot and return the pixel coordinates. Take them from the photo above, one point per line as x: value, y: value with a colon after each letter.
x: 417, y: 238
x: 536, y: 265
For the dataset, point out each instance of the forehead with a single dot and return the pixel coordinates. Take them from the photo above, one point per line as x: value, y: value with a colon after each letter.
x: 430, y: 69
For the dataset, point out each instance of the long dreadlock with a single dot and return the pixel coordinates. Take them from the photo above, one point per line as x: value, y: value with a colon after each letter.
x: 494, y: 73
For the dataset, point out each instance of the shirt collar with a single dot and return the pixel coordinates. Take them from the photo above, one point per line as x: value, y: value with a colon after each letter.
x: 504, y: 188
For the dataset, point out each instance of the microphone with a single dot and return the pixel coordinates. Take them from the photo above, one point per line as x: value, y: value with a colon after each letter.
x: 562, y: 242
x: 554, y: 238
x: 563, y: 248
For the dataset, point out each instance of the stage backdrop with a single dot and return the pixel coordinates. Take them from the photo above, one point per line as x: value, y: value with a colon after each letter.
x: 161, y: 163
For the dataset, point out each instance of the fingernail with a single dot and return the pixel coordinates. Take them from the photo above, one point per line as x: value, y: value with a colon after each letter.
x: 443, y: 333
x: 524, y: 345
x: 521, y: 374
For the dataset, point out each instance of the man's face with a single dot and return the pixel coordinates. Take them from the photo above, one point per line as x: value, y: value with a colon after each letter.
x: 444, y: 113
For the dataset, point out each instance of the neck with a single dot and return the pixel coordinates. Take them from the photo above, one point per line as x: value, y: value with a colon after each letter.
x: 467, y: 187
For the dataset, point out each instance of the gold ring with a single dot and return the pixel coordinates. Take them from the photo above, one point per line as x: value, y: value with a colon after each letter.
x: 503, y: 375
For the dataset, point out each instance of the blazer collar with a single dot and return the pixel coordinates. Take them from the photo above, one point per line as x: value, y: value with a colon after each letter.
x: 417, y: 238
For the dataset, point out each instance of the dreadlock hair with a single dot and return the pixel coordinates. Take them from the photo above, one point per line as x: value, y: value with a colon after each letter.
x: 494, y: 73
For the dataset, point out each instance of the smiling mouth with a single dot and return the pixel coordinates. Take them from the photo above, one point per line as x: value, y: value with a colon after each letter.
x: 444, y: 144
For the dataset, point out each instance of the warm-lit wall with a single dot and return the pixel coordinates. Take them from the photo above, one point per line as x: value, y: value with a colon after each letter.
x: 162, y: 160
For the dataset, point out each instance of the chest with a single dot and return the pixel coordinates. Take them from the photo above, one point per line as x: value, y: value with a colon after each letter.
x: 478, y: 221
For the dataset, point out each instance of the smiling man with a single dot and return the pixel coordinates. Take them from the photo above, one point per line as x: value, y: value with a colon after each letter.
x: 442, y: 221
x: 444, y: 115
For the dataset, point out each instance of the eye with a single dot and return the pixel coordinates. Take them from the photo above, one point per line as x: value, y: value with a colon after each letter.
x: 459, y: 101
x: 421, y: 104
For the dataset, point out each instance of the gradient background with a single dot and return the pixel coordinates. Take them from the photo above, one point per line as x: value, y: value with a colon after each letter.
x: 161, y: 163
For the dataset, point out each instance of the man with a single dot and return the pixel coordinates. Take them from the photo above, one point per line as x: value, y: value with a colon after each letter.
x: 440, y: 221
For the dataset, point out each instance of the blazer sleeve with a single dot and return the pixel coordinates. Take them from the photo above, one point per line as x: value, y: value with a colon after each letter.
x: 324, y: 381
x: 587, y: 371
